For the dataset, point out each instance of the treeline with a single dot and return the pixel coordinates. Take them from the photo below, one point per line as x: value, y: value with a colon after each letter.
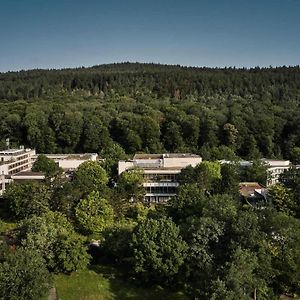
x: 218, y: 113
x: 160, y: 80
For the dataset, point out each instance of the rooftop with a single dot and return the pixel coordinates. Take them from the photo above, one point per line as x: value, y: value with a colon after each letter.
x: 28, y: 173
x: 79, y: 156
x: 13, y: 152
x: 165, y: 155
x: 248, y: 189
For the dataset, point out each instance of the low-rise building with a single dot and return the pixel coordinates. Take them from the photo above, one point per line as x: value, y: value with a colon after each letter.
x: 253, y: 193
x: 16, y: 164
x: 275, y: 167
x: 13, y: 161
x: 160, y: 172
x: 70, y: 162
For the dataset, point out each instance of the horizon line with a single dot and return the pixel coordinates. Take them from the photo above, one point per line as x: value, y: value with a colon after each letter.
x: 150, y: 63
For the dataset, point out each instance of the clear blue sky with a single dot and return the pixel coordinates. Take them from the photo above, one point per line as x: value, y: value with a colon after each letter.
x: 71, y: 33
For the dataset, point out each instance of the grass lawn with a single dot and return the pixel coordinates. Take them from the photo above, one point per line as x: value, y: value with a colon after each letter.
x: 6, y: 226
x: 104, y: 283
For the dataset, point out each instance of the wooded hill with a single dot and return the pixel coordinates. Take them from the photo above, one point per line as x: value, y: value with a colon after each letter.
x: 148, y: 107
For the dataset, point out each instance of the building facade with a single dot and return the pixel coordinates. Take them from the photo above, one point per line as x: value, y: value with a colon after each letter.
x: 16, y: 164
x: 160, y: 172
x: 14, y: 161
x: 70, y: 162
x: 275, y: 167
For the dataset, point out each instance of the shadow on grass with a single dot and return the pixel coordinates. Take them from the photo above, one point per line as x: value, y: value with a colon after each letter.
x: 122, y: 288
x: 7, y: 223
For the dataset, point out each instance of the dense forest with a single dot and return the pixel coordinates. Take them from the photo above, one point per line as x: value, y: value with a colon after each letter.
x: 205, y: 243
x: 218, y: 113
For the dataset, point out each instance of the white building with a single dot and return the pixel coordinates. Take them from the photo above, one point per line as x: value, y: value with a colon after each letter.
x: 16, y: 164
x: 159, y: 172
x: 275, y: 167
x: 70, y: 162
x: 14, y: 161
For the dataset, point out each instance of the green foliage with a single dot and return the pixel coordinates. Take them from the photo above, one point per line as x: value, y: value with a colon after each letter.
x: 96, y: 135
x: 28, y: 199
x: 173, y: 140
x: 207, y: 174
x: 130, y: 185
x: 23, y: 275
x: 139, y: 211
x: 296, y: 155
x: 230, y: 134
x: 241, y: 279
x: 229, y: 183
x: 282, y: 198
x: 202, y: 235
x: 229, y: 251
x: 90, y: 176
x: 189, y: 201
x: 94, y: 214
x: 147, y: 107
x: 47, y: 165
x: 221, y: 207
x: 108, y: 283
x: 111, y: 156
x: 284, y: 244
x: 116, y: 241
x: 223, y: 152
x: 257, y: 172
x: 70, y: 253
x: 158, y: 250
x: 53, y: 237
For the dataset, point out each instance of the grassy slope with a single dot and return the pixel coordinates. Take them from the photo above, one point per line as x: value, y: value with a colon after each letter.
x: 103, y: 284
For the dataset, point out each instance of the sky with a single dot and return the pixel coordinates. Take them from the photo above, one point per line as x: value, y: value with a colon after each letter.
x: 213, y: 33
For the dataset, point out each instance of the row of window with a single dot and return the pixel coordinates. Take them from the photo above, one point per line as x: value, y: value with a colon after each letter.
x: 161, y: 189
x: 156, y: 199
x: 18, y: 164
x: 159, y: 177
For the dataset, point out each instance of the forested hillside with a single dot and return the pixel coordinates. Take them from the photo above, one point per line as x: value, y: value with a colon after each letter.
x: 218, y: 113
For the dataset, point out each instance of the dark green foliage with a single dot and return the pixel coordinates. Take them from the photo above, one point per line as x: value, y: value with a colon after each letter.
x: 27, y: 199
x: 188, y: 202
x: 147, y: 107
x: 158, y: 250
x: 229, y: 183
x: 90, y: 176
x: 119, y: 236
x: 291, y: 180
x: 257, y: 172
x: 53, y: 237
x: 94, y: 214
x: 70, y: 253
x: 130, y: 185
x: 282, y: 199
x: 46, y: 165
x: 23, y: 275
x: 213, y: 248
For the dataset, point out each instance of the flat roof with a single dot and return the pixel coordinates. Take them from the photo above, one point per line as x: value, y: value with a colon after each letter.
x: 28, y: 173
x: 163, y: 155
x: 13, y: 152
x: 80, y: 156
